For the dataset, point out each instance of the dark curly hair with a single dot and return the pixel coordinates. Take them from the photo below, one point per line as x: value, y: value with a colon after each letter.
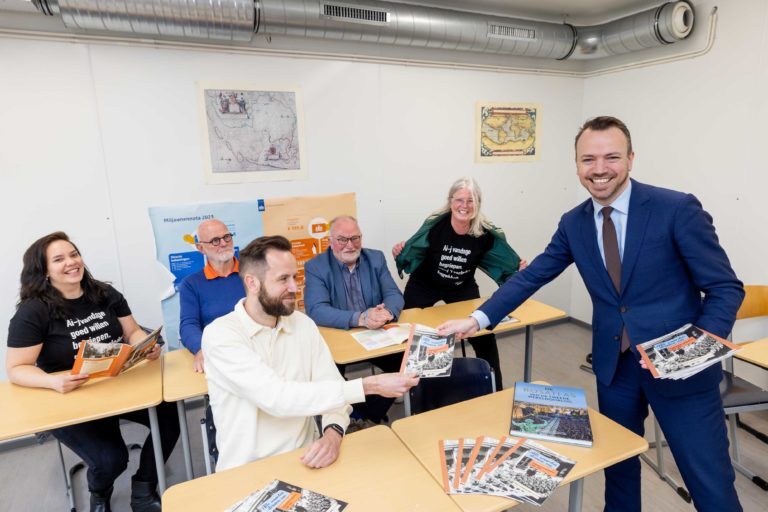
x: 35, y: 285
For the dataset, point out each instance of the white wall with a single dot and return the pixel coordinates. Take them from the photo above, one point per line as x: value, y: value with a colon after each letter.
x: 699, y: 126
x: 93, y: 135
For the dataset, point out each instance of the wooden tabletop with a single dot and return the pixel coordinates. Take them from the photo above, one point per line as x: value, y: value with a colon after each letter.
x: 755, y: 352
x: 180, y: 380
x: 345, y: 349
x: 30, y: 410
x: 374, y: 472
x: 531, y: 312
x: 489, y: 415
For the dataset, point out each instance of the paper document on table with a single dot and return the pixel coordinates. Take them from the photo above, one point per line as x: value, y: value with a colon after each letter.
x: 392, y: 334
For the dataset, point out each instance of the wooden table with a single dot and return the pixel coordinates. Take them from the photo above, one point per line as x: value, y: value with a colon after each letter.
x: 181, y: 381
x: 345, y: 349
x: 31, y: 410
x: 374, y: 472
x: 489, y: 415
x: 755, y: 352
x: 529, y: 314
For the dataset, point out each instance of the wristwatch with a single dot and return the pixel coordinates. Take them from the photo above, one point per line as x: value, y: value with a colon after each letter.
x: 335, y: 427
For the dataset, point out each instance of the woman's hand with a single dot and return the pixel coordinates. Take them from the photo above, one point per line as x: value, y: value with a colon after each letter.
x: 522, y: 266
x: 64, y: 382
x: 155, y: 352
x: 397, y: 249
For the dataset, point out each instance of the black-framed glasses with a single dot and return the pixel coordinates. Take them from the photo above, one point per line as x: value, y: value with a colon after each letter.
x: 343, y: 240
x: 216, y: 241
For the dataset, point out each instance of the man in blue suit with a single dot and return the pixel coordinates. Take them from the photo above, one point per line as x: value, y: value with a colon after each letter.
x: 651, y: 262
x: 349, y: 286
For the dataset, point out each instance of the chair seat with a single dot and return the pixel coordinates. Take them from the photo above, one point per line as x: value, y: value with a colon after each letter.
x: 470, y: 377
x: 737, y: 392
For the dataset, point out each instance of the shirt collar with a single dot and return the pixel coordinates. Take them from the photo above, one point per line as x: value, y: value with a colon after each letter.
x: 620, y: 204
x: 252, y: 327
x: 210, y: 273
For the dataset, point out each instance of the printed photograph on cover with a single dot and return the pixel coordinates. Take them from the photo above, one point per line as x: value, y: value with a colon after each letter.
x: 533, y: 472
x: 279, y: 496
x: 551, y: 413
x: 450, y: 461
x: 428, y: 354
x: 484, y: 448
x: 684, y: 352
x: 465, y: 460
x: 100, y: 350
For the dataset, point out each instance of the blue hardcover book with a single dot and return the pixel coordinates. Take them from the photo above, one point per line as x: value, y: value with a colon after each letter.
x: 551, y: 413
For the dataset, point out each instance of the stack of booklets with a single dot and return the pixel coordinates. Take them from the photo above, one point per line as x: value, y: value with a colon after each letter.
x: 279, y: 496
x: 517, y: 469
x: 390, y: 334
x: 428, y: 354
x: 551, y: 413
x: 684, y: 352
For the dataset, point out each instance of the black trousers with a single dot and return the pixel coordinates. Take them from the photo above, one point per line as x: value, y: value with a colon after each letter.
x: 101, y: 446
x: 375, y: 407
x: 419, y: 295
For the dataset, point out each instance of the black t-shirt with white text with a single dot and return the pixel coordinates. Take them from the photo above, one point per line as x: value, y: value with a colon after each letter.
x: 451, y: 259
x: 33, y: 324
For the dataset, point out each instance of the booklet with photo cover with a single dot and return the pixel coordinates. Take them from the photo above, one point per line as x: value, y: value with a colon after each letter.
x: 684, y: 352
x: 390, y: 334
x: 279, y: 496
x: 110, y: 359
x: 428, y: 354
x: 551, y: 413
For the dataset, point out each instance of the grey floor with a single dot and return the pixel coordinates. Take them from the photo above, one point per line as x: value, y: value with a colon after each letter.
x: 32, y: 480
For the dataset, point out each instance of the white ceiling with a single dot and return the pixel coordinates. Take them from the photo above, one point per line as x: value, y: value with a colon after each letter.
x: 578, y: 12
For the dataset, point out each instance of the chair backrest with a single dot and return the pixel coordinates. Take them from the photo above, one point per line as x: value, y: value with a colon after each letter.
x: 755, y: 302
x: 470, y: 377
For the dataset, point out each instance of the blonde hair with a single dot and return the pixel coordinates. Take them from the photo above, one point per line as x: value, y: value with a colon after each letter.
x: 479, y: 222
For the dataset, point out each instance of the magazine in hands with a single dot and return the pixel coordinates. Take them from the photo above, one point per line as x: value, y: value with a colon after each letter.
x: 551, y: 413
x: 279, y: 496
x: 390, y: 334
x: 684, y: 352
x: 110, y: 359
x: 428, y: 354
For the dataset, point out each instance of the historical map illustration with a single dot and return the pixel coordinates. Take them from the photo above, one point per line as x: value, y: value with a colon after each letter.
x: 251, y: 135
x: 507, y: 132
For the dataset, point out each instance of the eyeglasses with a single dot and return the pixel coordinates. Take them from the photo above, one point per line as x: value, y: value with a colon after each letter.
x: 216, y: 241
x: 343, y: 240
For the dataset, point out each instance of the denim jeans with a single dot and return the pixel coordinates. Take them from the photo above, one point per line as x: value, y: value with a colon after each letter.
x: 101, y: 446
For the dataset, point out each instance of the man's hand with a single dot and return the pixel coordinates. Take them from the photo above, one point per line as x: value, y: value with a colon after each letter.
x: 324, y: 451
x: 64, y: 382
x: 642, y: 364
x: 391, y: 385
x: 377, y: 317
x: 397, y: 249
x: 522, y: 266
x: 463, y: 327
x: 197, y: 364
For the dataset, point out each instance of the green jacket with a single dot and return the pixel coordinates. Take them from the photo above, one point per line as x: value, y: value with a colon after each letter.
x: 499, y: 263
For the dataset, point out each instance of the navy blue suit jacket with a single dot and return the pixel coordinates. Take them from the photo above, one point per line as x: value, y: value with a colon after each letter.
x: 673, y: 272
x: 325, y: 298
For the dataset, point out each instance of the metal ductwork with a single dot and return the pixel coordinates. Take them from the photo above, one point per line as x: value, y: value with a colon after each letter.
x: 227, y: 20
x: 377, y: 22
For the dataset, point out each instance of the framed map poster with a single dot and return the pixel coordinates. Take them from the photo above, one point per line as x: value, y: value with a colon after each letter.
x: 507, y: 132
x: 251, y: 134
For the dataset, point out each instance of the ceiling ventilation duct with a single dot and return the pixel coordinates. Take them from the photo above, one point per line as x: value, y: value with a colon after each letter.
x: 377, y: 22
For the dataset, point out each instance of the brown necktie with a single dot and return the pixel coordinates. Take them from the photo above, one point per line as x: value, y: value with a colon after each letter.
x: 613, y: 261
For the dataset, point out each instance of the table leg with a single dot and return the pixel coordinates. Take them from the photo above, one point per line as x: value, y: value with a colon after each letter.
x: 182, y: 410
x: 575, y: 495
x: 528, y: 353
x: 154, y: 428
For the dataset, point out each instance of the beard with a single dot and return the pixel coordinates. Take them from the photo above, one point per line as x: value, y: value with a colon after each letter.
x: 274, y: 306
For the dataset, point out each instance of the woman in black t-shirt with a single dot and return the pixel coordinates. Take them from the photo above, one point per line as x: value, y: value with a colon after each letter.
x: 445, y: 252
x: 60, y: 306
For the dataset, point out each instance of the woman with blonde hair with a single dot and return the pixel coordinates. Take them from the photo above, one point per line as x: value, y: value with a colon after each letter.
x: 444, y: 253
